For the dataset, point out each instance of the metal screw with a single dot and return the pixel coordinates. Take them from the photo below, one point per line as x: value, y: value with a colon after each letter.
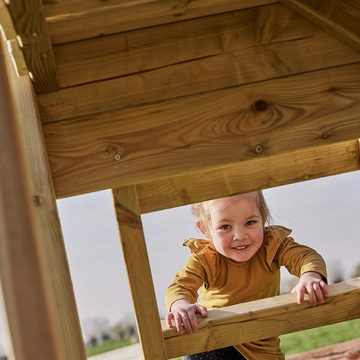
x: 258, y: 148
x: 117, y: 157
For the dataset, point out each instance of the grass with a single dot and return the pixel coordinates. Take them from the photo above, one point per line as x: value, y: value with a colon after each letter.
x: 290, y: 343
x: 319, y: 337
x: 101, y: 348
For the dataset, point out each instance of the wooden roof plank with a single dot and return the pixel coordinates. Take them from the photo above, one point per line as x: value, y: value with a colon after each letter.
x: 244, y: 66
x: 336, y: 28
x: 31, y: 28
x: 71, y: 21
x: 265, y: 318
x: 251, y: 175
x: 204, y: 131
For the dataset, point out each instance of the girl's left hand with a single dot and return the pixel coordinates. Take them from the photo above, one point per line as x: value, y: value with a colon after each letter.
x: 311, y: 283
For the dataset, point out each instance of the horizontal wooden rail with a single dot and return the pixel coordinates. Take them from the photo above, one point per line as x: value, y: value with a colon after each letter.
x: 265, y: 318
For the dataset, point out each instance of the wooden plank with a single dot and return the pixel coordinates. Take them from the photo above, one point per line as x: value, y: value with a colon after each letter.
x: 124, y: 53
x: 64, y: 311
x: 139, y: 272
x: 238, y: 67
x: 30, y: 25
x: 8, y: 33
x: 71, y: 21
x: 251, y: 175
x: 336, y: 28
x: 150, y: 142
x: 264, y: 318
x: 23, y: 279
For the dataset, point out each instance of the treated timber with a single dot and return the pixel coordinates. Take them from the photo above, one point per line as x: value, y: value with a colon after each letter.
x: 204, y: 131
x: 8, y: 33
x: 125, y: 53
x: 249, y: 63
x: 59, y: 287
x: 265, y: 318
x: 245, y: 176
x: 23, y: 279
x: 339, y: 28
x: 139, y: 272
x: 72, y: 21
x: 29, y: 22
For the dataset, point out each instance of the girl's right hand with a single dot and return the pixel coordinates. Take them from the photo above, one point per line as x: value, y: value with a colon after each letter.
x: 184, y: 315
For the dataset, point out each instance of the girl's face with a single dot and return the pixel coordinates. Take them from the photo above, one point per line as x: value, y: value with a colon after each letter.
x: 236, y: 227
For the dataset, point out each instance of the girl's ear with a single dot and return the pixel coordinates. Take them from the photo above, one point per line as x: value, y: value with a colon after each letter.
x: 201, y: 227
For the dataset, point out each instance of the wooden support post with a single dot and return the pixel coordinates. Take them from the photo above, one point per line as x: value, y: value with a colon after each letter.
x: 21, y: 264
x: 139, y: 272
x: 57, y: 283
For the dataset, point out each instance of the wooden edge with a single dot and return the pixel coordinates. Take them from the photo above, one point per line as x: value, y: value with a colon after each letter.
x: 70, y: 21
x: 260, y: 173
x: 264, y: 318
x: 22, y: 264
x: 324, y: 23
x: 33, y: 37
x: 9, y: 35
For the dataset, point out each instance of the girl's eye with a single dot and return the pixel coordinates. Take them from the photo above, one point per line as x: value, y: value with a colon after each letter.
x: 251, y: 222
x: 225, y: 227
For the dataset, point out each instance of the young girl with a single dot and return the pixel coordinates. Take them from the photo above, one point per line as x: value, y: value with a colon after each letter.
x: 240, y: 262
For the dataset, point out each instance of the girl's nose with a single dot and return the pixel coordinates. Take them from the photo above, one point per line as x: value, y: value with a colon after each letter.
x: 239, y: 234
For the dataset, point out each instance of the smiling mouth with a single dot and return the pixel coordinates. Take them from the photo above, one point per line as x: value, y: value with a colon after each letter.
x: 243, y: 247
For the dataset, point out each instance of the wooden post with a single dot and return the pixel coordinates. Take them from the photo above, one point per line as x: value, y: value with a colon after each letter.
x: 50, y: 250
x: 139, y: 272
x: 21, y: 264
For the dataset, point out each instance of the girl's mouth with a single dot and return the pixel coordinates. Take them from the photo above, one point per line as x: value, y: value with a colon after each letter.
x: 243, y: 247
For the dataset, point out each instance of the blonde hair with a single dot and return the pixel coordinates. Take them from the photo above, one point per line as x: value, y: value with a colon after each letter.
x: 200, y: 210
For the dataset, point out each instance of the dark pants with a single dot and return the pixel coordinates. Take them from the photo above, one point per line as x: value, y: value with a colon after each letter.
x: 228, y: 353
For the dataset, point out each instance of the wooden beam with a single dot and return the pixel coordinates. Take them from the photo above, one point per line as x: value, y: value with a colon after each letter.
x: 23, y: 279
x: 59, y: 287
x: 216, y: 65
x: 124, y: 53
x: 198, y: 133
x: 245, y: 176
x: 139, y: 272
x: 265, y: 318
x: 9, y: 36
x: 336, y: 28
x: 29, y: 22
x: 71, y: 21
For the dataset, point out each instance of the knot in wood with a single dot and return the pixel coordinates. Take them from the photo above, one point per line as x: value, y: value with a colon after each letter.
x: 260, y: 105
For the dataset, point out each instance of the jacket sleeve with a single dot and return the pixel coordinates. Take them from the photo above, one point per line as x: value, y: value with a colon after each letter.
x: 299, y: 259
x: 187, y: 282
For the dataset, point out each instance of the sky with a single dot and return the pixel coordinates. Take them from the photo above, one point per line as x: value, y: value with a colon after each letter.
x: 322, y: 213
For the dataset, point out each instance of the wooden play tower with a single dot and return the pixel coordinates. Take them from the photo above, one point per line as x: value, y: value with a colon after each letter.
x: 167, y: 103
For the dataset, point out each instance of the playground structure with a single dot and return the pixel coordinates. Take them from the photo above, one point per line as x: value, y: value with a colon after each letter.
x: 167, y: 103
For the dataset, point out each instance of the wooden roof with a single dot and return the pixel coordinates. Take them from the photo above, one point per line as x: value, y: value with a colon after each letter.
x: 167, y: 94
x: 167, y: 102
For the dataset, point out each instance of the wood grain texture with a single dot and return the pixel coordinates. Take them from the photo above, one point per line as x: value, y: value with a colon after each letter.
x: 30, y: 25
x: 265, y: 318
x: 139, y: 272
x: 154, y: 48
x: 245, y: 176
x: 337, y: 27
x: 23, y: 279
x: 154, y: 141
x: 72, y: 21
x: 253, y: 63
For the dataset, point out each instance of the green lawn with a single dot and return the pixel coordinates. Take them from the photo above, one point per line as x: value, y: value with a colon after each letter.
x: 319, y: 337
x: 101, y: 348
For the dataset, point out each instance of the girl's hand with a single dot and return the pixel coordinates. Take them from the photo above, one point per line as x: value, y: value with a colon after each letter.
x: 311, y: 283
x: 184, y: 315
